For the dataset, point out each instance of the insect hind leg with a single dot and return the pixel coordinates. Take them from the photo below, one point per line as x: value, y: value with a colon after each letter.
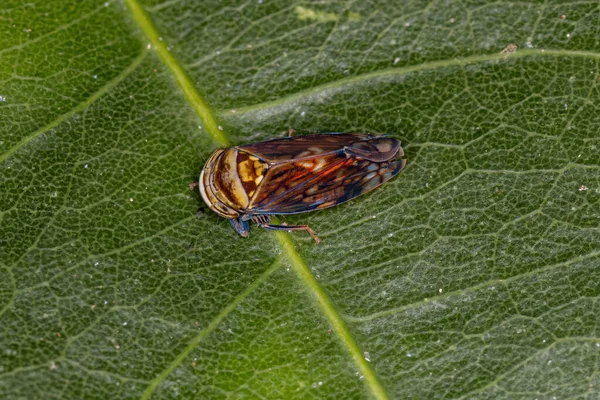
x: 264, y: 221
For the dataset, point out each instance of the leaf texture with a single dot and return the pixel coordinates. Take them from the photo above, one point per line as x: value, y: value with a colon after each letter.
x: 473, y: 274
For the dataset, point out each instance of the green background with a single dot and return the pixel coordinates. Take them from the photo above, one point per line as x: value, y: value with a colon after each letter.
x: 473, y: 274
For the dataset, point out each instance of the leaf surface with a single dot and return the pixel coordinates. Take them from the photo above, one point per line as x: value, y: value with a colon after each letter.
x: 473, y: 274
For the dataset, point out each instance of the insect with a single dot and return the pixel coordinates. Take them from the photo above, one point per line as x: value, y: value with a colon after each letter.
x: 295, y: 174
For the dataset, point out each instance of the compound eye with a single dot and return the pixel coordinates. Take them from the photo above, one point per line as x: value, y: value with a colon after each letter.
x: 225, y: 210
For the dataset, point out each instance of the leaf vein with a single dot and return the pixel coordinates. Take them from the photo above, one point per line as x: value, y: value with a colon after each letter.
x: 195, y: 341
x: 80, y: 107
x: 333, y: 87
x: 482, y: 285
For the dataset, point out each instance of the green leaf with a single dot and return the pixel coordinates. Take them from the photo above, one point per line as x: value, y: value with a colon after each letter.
x: 473, y: 274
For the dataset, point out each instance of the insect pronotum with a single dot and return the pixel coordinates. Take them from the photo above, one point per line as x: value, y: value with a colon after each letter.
x: 294, y: 175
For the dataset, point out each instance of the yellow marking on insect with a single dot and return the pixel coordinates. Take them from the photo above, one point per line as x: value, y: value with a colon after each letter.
x: 246, y: 171
x: 259, y: 169
x: 251, y: 169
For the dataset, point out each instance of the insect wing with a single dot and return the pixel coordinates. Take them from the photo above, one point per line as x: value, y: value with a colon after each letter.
x: 325, y: 180
x: 292, y: 148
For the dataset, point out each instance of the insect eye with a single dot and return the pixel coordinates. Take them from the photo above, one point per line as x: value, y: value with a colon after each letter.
x: 224, y: 209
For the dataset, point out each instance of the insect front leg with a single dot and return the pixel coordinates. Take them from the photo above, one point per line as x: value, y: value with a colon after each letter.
x: 240, y: 226
x: 264, y: 221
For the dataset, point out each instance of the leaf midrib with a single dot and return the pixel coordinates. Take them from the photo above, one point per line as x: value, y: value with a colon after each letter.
x: 299, y: 265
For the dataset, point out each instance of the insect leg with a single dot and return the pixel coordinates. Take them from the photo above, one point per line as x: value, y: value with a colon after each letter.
x: 264, y: 222
x: 291, y: 132
x: 240, y: 226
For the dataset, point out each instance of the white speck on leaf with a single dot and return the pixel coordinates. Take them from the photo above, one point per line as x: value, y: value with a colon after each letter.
x: 367, y: 356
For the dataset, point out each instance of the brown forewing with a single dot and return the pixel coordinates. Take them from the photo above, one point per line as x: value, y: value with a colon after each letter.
x: 319, y: 182
x: 291, y: 148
